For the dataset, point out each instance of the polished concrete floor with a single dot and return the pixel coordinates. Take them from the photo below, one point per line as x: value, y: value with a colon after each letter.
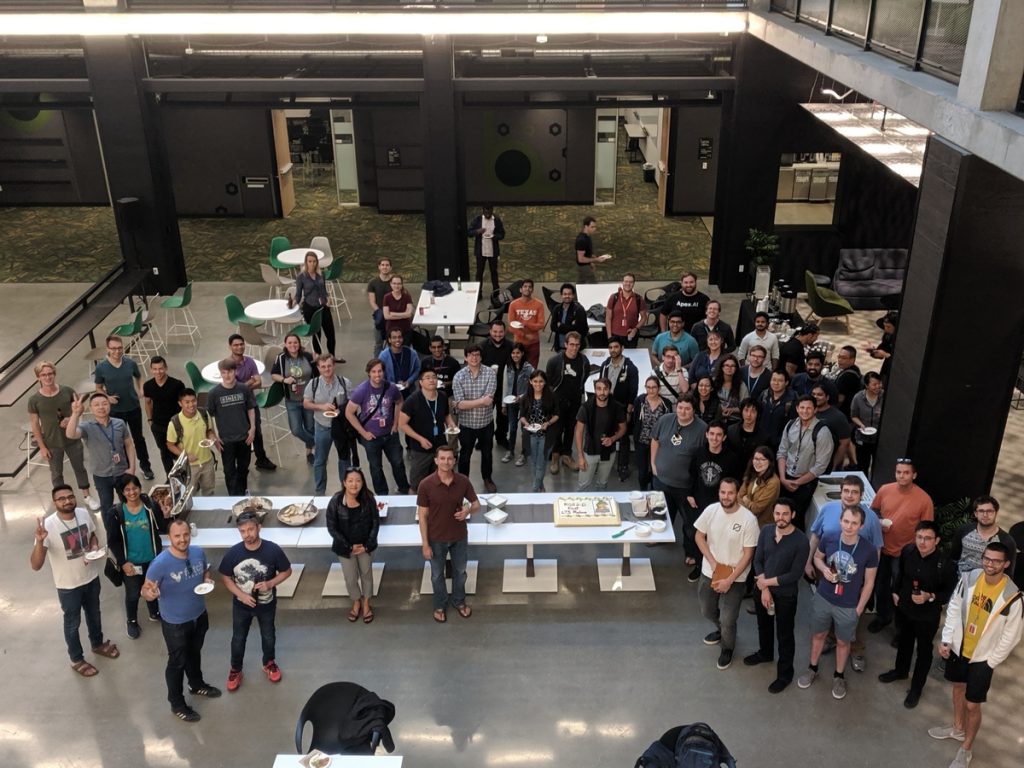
x: 577, y: 678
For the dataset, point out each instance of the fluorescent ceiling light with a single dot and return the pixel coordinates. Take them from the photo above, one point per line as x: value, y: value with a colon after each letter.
x: 881, y: 149
x: 409, y: 22
x: 856, y: 131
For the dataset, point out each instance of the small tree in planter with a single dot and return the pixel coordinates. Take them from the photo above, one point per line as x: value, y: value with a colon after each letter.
x: 762, y: 248
x: 950, y: 518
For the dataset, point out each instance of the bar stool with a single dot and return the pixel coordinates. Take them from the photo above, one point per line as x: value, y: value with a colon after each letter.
x: 178, y: 320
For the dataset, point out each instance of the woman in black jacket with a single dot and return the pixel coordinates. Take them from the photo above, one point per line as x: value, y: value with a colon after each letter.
x: 353, y: 522
x: 133, y: 536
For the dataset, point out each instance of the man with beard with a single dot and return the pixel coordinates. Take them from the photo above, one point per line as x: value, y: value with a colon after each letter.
x: 495, y: 353
x: 441, y: 363
x: 688, y: 301
x: 804, y: 382
x: 600, y: 423
x: 567, y: 373
x: 760, y: 337
x: 567, y: 317
x: 712, y: 322
x: 625, y: 381
x: 251, y: 570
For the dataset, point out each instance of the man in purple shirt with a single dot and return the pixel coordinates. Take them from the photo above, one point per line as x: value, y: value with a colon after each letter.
x: 248, y: 375
x: 372, y: 411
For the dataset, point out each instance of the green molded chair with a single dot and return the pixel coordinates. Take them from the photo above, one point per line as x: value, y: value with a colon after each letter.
x: 236, y: 312
x: 195, y: 377
x: 826, y: 303
x: 332, y: 279
x: 178, y: 320
x: 131, y: 334
x: 310, y: 329
x: 273, y: 432
x: 278, y: 244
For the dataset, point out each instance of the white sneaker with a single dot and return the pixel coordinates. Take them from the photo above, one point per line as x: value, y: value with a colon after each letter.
x: 962, y: 759
x: 92, y: 503
x: 520, y: 461
x: 507, y: 457
x: 946, y: 732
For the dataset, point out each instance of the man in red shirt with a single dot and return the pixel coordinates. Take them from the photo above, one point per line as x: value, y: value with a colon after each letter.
x: 625, y: 313
x: 526, y: 318
x: 901, y: 505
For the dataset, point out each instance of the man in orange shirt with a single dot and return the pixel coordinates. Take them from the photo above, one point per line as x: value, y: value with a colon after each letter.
x: 526, y: 317
x: 901, y: 505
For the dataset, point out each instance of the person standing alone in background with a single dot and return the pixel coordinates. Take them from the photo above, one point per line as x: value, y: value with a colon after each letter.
x: 487, y: 232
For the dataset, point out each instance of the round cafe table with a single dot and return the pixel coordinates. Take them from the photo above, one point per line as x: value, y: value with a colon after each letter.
x: 211, y: 372
x: 275, y: 312
x: 296, y: 257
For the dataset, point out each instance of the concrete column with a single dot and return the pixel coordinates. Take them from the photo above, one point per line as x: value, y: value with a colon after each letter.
x: 994, y: 57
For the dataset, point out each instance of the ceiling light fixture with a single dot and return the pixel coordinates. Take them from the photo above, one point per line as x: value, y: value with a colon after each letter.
x: 834, y: 94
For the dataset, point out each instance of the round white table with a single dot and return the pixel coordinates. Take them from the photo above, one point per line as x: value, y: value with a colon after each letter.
x: 296, y: 257
x: 275, y: 312
x: 211, y: 371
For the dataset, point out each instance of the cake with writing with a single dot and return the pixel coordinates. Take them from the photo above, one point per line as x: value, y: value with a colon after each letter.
x: 586, y: 510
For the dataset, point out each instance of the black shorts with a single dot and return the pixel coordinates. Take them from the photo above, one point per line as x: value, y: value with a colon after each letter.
x: 976, y: 674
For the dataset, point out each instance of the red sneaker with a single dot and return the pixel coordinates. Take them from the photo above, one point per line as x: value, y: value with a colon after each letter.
x: 273, y: 671
x: 234, y: 680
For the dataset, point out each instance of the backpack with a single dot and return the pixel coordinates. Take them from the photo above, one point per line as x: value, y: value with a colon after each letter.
x: 696, y: 746
x: 597, y: 312
x: 176, y: 421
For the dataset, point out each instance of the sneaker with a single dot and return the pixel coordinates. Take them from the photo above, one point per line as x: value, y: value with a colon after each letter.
x: 554, y: 467
x: 694, y: 575
x: 187, y: 714
x: 148, y: 474
x: 273, y: 671
x: 962, y: 759
x: 490, y: 487
x: 877, y: 625
x: 858, y: 663
x: 713, y: 638
x: 891, y: 676
x: 755, y: 658
x: 134, y: 630
x: 569, y: 463
x: 266, y: 464
x: 92, y: 504
x: 154, y: 616
x: 507, y: 457
x: 234, y: 680
x: 207, y: 690
x: 946, y: 732
x: 808, y: 677
x: 838, y: 687
x: 520, y: 461
x: 913, y: 697
x: 724, y: 659
x: 778, y: 685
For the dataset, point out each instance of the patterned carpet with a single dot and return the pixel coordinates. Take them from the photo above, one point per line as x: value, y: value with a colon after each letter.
x: 80, y: 244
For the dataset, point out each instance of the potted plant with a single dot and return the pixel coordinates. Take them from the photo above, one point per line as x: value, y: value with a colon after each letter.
x: 951, y: 517
x: 762, y: 247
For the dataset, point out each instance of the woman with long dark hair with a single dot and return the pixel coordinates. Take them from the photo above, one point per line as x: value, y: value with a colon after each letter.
x: 133, y: 535
x: 706, y: 405
x: 761, y: 486
x: 729, y: 387
x: 517, y: 384
x: 311, y: 295
x: 538, y: 410
x: 293, y: 368
x: 353, y: 522
x: 647, y: 409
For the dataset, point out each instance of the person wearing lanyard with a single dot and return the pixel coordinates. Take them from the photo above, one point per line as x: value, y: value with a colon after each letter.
x: 848, y: 579
x: 110, y: 445
x: 401, y: 363
x: 805, y: 453
x: 424, y: 418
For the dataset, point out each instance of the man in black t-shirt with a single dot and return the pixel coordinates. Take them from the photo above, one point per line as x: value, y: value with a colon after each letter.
x: 687, y: 300
x: 848, y: 379
x: 712, y: 461
x: 441, y: 363
x: 600, y: 424
x: 585, y: 258
x: 791, y: 353
x: 423, y: 419
x: 160, y: 396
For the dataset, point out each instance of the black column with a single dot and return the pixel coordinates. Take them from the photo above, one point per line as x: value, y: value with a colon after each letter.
x: 961, y: 331
x: 135, y: 161
x: 444, y: 196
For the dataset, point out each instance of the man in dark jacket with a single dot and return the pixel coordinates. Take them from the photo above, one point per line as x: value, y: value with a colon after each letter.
x: 625, y: 382
x: 487, y: 232
x: 495, y: 353
x: 567, y: 373
x: 600, y: 423
x: 568, y: 316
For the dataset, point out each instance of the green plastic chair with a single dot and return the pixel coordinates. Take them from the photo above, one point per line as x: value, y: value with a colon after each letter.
x: 195, y: 376
x: 129, y: 330
x: 332, y: 279
x: 271, y: 396
x: 278, y: 244
x: 178, y: 320
x: 273, y: 432
x: 312, y: 328
x: 236, y: 312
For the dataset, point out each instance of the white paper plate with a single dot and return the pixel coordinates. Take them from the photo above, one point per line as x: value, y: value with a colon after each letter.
x: 532, y: 428
x: 509, y: 399
x: 96, y: 554
x: 203, y: 589
x: 330, y: 414
x: 207, y: 443
x: 642, y: 531
x: 516, y: 324
x: 452, y: 431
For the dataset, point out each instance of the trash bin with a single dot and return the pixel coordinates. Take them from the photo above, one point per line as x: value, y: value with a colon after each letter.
x: 649, y: 172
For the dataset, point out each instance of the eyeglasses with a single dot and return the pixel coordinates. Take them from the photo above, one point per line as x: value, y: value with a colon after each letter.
x: 115, y: 349
x: 991, y: 561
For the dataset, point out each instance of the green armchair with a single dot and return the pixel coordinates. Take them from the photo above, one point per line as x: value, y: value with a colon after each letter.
x: 826, y: 303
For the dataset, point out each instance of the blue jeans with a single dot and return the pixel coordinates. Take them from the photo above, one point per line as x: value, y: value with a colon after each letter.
x: 133, y: 591
x: 105, y: 490
x: 73, y: 602
x: 184, y: 656
x: 322, y: 441
x: 376, y: 449
x: 241, y: 620
x: 538, y: 459
x: 459, y: 551
x: 300, y: 421
x: 513, y: 430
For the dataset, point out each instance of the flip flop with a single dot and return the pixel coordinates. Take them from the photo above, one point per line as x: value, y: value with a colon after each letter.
x: 440, y: 616
x: 368, y: 616
x: 353, y: 615
x: 85, y: 669
x: 464, y: 611
x: 107, y: 649
x: 690, y: 562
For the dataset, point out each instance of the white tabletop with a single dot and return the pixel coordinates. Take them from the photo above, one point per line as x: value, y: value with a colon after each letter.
x: 273, y: 309
x: 589, y: 294
x: 641, y: 359
x: 457, y: 308
x: 296, y: 257
x: 635, y: 131
x: 344, y: 761
x: 211, y: 372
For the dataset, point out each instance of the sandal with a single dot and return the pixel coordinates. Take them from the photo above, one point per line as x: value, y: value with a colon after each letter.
x: 353, y: 615
x: 464, y: 611
x: 368, y: 615
x: 107, y: 649
x: 85, y: 669
x: 440, y: 616
x: 690, y: 562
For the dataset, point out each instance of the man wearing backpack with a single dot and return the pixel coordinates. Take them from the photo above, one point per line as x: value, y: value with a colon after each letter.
x: 326, y: 396
x: 805, y: 454
x: 185, y: 431
x: 625, y: 313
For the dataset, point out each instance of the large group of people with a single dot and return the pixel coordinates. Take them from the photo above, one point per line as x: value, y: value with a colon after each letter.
x: 735, y: 435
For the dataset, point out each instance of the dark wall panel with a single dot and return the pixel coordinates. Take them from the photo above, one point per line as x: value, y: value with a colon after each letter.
x: 695, y: 172
x: 399, y: 180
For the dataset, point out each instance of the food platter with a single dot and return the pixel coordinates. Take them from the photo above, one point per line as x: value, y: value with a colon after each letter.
x: 298, y: 514
x: 258, y: 504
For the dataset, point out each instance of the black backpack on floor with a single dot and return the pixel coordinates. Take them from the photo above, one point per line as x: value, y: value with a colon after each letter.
x: 687, y: 746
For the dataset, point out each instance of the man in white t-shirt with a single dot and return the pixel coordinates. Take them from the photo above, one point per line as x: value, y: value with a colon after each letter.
x: 68, y: 534
x: 726, y: 536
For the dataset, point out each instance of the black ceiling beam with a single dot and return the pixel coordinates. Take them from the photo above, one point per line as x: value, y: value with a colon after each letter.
x: 598, y: 84
x: 283, y: 86
x: 45, y: 85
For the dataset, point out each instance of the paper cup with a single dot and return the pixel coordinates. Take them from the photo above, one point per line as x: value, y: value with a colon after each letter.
x: 638, y: 501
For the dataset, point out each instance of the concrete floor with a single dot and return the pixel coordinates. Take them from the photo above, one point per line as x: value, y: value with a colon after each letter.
x: 576, y: 678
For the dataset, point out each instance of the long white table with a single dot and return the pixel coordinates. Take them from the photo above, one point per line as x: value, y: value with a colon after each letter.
x: 456, y: 308
x: 589, y: 294
x: 344, y: 761
x: 641, y: 359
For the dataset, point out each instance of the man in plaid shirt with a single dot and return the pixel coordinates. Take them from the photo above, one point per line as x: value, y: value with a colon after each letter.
x: 473, y: 394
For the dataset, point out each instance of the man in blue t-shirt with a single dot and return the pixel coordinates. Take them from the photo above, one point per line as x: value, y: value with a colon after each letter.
x: 847, y: 565
x: 251, y: 570
x: 173, y: 578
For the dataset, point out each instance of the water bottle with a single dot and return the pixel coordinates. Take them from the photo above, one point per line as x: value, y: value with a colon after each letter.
x: 771, y: 608
x: 460, y: 283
